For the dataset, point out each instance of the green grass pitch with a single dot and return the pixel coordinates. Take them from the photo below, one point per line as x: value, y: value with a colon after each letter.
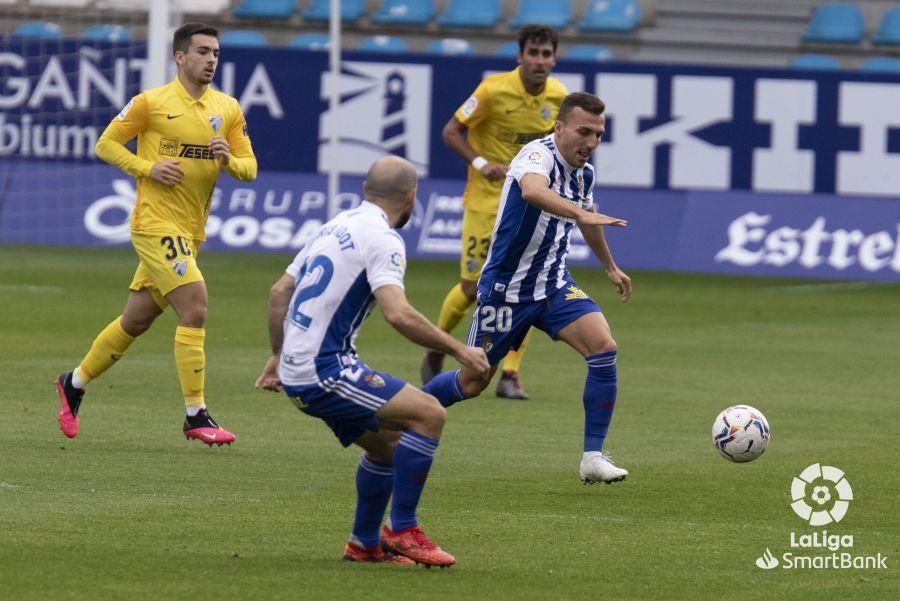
x: 130, y: 510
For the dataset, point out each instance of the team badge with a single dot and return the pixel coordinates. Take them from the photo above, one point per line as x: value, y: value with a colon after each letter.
x: 215, y: 121
x: 374, y: 380
x: 487, y: 344
x: 472, y: 265
x: 580, y: 185
x: 499, y: 287
x: 545, y: 112
x: 179, y: 267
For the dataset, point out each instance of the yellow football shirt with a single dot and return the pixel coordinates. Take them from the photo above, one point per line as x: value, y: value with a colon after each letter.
x: 502, y: 117
x: 170, y: 124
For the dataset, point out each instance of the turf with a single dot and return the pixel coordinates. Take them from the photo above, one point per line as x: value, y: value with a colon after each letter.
x: 130, y: 509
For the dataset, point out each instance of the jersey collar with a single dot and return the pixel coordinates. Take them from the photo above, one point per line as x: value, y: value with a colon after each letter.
x: 189, y: 100
x: 559, y: 155
x: 374, y: 208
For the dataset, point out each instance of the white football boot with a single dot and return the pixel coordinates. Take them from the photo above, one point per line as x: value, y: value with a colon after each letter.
x: 597, y: 467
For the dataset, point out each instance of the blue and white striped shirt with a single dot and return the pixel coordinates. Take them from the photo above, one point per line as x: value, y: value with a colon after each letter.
x: 527, y: 259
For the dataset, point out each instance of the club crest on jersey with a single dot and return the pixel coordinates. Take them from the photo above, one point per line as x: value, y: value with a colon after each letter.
x: 179, y: 267
x: 545, y: 112
x: 215, y: 121
x: 472, y: 265
x: 580, y: 185
x: 374, y: 380
x: 575, y: 293
x: 487, y: 344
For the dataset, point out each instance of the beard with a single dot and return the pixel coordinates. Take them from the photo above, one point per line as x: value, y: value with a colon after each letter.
x: 404, y: 219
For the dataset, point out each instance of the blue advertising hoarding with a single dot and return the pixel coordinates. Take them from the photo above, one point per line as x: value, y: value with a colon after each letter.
x: 725, y: 170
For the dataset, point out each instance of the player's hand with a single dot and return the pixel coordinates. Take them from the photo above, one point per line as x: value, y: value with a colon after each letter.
x: 475, y: 359
x: 268, y: 379
x: 621, y: 281
x: 494, y: 172
x: 220, y: 149
x: 167, y: 172
x: 592, y: 218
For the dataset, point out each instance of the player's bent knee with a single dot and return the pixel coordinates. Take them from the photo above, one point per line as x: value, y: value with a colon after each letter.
x: 472, y: 387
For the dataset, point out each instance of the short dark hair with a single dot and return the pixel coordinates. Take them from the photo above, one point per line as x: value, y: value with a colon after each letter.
x: 181, y: 41
x: 537, y: 34
x: 582, y: 100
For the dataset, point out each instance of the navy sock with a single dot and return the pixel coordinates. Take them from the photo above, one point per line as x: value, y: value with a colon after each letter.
x: 374, y: 482
x: 599, y: 398
x: 445, y: 387
x: 412, y: 461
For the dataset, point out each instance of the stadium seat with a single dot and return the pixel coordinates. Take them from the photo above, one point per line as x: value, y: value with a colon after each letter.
x: 320, y: 10
x: 60, y: 3
x: 611, y: 15
x: 508, y: 49
x: 478, y: 14
x: 589, y: 52
x: 555, y: 13
x: 880, y: 64
x: 383, y: 43
x: 265, y: 9
x: 243, y: 37
x: 835, y: 23
x: 450, y: 47
x: 816, y: 62
x: 37, y: 29
x: 404, y: 12
x: 310, y: 41
x: 888, y: 33
x: 106, y: 32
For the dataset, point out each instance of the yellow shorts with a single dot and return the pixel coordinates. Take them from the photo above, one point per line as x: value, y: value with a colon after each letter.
x: 166, y: 262
x: 476, y: 240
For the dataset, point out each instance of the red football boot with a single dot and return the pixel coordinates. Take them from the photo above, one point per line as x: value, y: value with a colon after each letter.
x: 413, y: 543
x: 204, y: 428
x: 353, y: 552
x: 69, y: 402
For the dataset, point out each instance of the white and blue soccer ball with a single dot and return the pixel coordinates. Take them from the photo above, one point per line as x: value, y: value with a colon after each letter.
x: 741, y: 433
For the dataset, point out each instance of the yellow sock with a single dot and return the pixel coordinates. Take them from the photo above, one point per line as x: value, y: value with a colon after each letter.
x: 190, y: 360
x: 108, y: 347
x: 513, y: 359
x: 455, y: 305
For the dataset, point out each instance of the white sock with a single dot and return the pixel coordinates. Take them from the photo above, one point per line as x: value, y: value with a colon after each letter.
x: 76, y: 381
x: 193, y: 411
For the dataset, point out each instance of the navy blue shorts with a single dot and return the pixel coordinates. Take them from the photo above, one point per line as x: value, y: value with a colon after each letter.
x: 348, y: 400
x: 499, y: 326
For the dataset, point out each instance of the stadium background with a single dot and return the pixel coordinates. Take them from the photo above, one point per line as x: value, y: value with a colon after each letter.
x: 745, y: 139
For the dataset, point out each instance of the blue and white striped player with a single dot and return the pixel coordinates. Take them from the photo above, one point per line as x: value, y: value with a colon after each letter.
x: 316, y: 310
x: 525, y: 281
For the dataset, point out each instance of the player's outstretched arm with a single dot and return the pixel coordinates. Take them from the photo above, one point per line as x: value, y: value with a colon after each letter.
x: 414, y: 326
x: 596, y: 239
x: 535, y: 192
x: 279, y: 299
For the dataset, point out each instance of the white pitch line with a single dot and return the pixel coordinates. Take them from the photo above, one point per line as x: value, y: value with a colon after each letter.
x: 30, y: 288
x: 828, y: 287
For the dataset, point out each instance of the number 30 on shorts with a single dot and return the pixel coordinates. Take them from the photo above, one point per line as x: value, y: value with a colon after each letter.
x: 495, y: 319
x: 171, y: 251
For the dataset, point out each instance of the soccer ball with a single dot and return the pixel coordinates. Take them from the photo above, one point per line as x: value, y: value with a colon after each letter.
x: 740, y: 433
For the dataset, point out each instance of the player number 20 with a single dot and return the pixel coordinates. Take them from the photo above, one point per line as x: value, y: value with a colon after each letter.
x: 496, y: 319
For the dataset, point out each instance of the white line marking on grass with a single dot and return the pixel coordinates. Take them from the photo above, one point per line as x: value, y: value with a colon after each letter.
x: 8, y: 485
x: 828, y: 287
x: 29, y: 288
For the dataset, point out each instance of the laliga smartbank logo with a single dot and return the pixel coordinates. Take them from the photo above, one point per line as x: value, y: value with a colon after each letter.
x: 821, y: 495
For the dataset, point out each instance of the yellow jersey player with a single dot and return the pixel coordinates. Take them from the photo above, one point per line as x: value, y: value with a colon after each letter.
x: 187, y: 133
x: 505, y: 112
